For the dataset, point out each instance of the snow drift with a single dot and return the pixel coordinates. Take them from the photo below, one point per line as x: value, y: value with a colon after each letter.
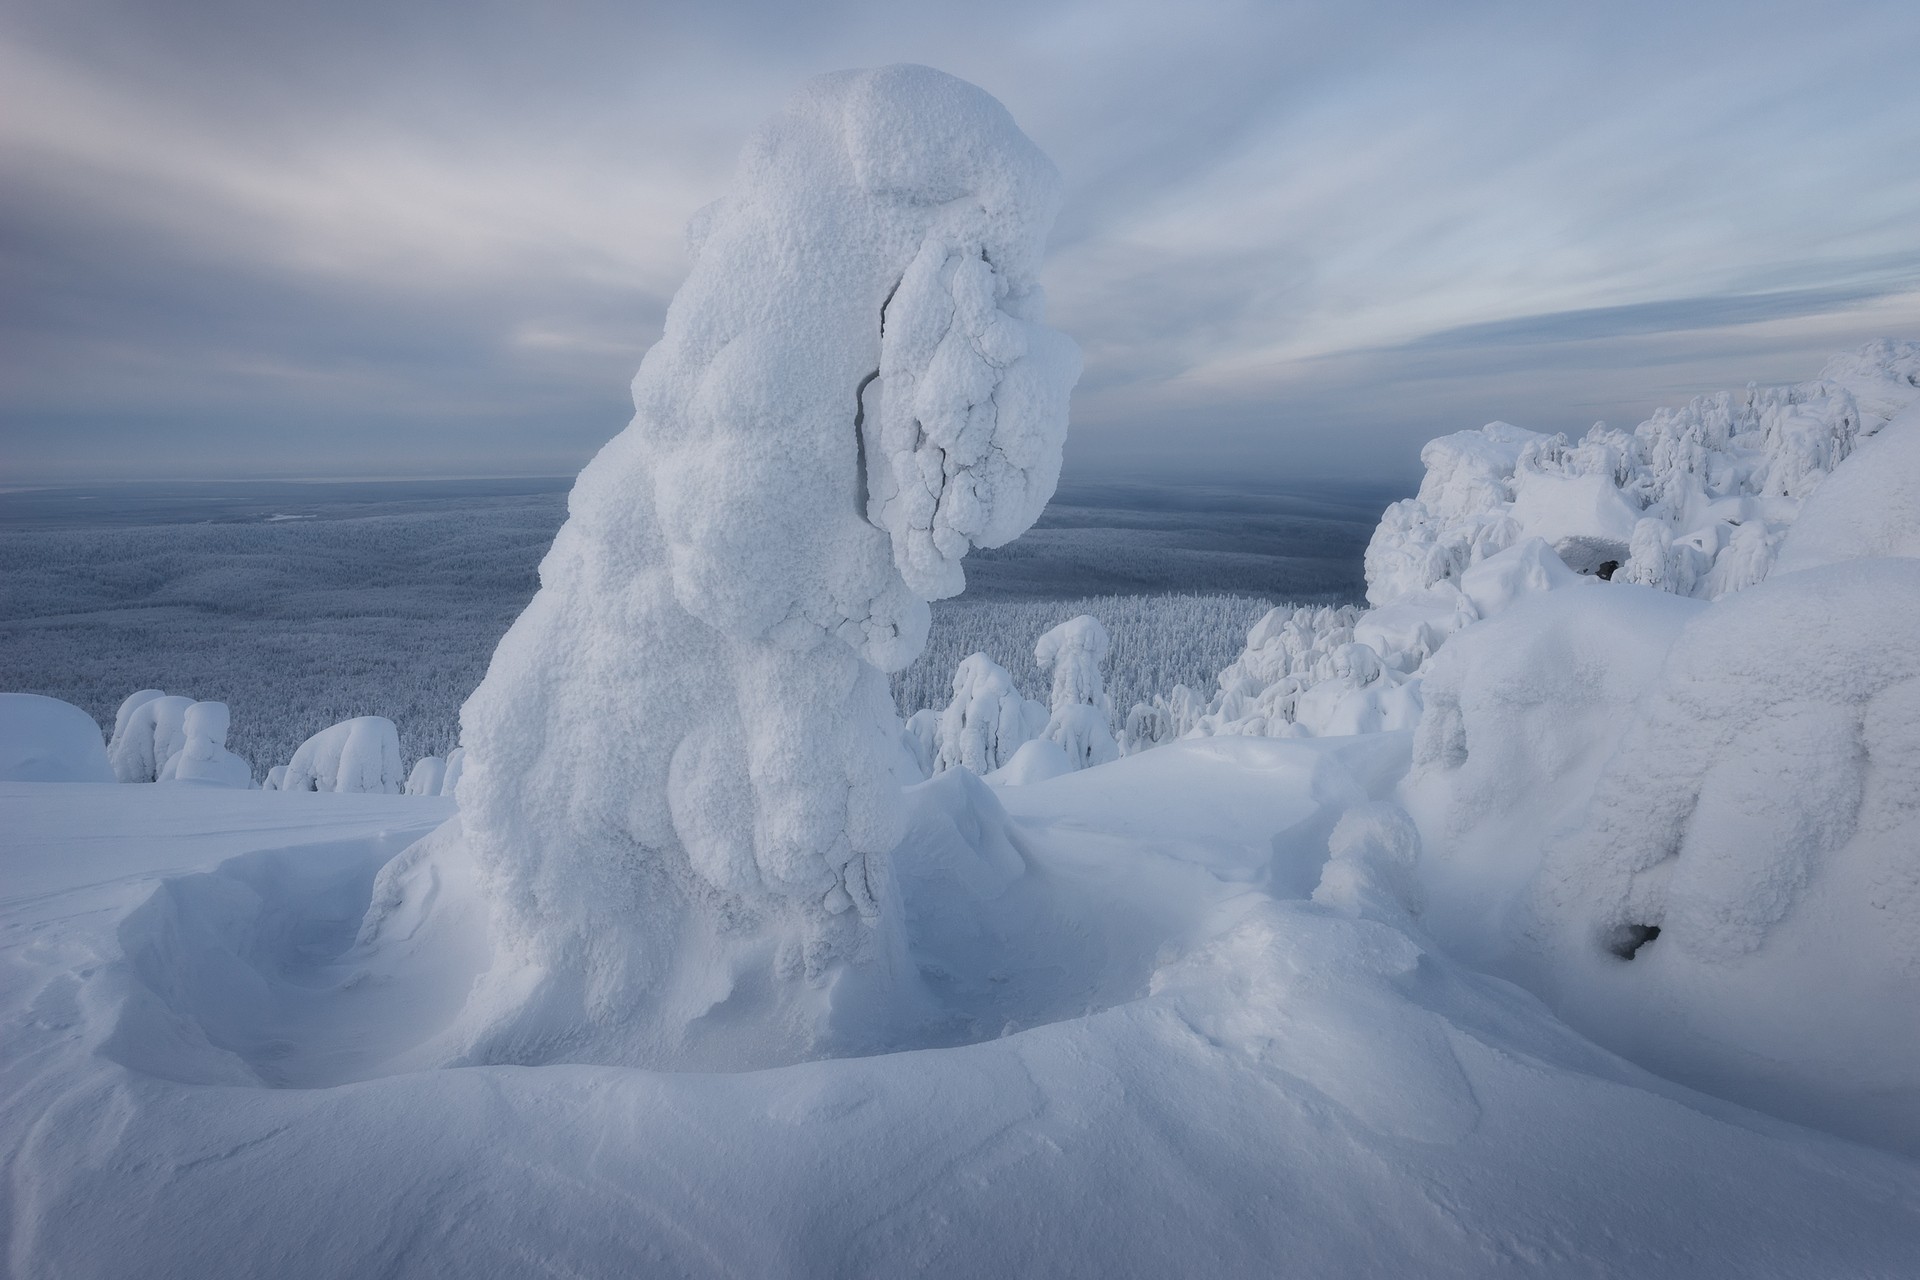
x: 683, y: 767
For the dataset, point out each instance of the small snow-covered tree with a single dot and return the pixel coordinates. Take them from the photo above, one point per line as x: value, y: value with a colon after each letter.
x: 149, y: 727
x: 427, y: 776
x: 203, y: 756
x: 362, y: 754
x: 684, y: 760
x: 1080, y: 713
x: 987, y: 721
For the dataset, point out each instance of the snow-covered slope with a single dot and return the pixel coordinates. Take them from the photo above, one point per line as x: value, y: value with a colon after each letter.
x: 1165, y: 1060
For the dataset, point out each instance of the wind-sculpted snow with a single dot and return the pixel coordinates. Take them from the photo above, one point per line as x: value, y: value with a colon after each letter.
x: 683, y: 767
x: 1691, y: 825
x: 1749, y: 848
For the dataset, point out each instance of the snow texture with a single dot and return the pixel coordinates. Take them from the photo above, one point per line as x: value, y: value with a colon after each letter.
x: 47, y: 740
x: 1080, y: 715
x: 358, y: 755
x: 683, y: 767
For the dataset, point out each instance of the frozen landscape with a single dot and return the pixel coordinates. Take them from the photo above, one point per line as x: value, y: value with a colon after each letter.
x: 816, y: 884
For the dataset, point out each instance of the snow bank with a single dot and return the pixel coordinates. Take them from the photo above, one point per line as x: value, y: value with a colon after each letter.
x: 360, y: 755
x: 1739, y: 903
x: 1869, y: 506
x: 683, y: 765
x: 47, y: 740
x: 203, y: 756
x: 1080, y: 715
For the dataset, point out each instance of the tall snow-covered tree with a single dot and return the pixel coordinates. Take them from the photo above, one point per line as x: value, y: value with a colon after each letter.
x: 682, y: 769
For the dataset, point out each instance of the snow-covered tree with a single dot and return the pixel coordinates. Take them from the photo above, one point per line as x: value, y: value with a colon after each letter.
x: 685, y: 746
x: 987, y: 721
x: 149, y: 727
x: 203, y: 756
x: 428, y: 775
x: 1080, y: 715
x: 362, y: 754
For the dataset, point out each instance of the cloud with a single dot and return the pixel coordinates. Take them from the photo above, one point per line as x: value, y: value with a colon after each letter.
x: 1295, y: 235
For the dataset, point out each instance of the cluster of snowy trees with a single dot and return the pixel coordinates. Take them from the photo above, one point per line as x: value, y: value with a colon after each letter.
x: 1695, y: 501
x: 990, y: 728
x: 161, y: 737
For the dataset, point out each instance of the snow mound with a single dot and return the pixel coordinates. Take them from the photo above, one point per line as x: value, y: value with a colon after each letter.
x: 1869, y: 506
x: 683, y: 767
x: 361, y: 755
x: 1520, y: 714
x: 47, y: 740
x: 1748, y: 854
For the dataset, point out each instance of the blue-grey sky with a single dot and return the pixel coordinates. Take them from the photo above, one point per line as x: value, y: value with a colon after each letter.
x: 403, y: 237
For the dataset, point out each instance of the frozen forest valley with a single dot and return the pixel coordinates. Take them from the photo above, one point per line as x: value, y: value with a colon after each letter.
x: 807, y: 883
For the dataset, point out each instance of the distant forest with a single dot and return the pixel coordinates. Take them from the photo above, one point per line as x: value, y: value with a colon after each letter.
x: 300, y: 606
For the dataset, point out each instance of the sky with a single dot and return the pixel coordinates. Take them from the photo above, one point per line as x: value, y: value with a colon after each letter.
x: 415, y: 237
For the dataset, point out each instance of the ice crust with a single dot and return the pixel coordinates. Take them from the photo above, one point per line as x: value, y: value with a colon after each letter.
x: 683, y: 766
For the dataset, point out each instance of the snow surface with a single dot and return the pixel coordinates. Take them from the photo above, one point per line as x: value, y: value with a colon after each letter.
x: 1165, y: 1059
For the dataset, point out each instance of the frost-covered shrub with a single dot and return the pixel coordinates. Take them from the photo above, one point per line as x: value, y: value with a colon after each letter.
x: 149, y: 728
x: 1080, y: 716
x: 47, y: 740
x: 987, y: 721
x: 683, y: 765
x: 203, y: 756
x: 362, y: 754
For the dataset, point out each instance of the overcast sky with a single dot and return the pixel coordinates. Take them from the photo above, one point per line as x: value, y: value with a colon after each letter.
x: 405, y: 237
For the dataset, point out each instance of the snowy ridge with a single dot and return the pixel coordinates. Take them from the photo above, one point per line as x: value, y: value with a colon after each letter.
x: 1695, y: 501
